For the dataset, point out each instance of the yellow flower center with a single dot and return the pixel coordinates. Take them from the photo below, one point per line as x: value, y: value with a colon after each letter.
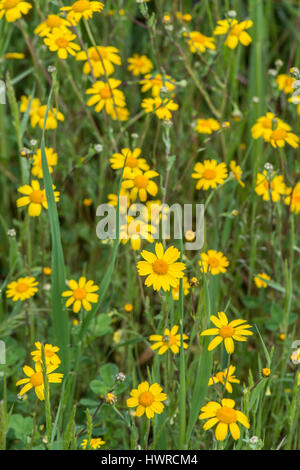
x: 81, y: 6
x: 79, y: 293
x: 140, y: 181
x: 267, y: 123
x: 226, y: 415
x: 236, y: 30
x: 278, y: 134
x: 170, y: 340
x: 209, y: 174
x: 160, y: 266
x: 146, y: 399
x: 22, y: 287
x: 131, y: 162
x: 105, y: 93
x: 198, y: 38
x: 62, y: 43
x: 37, y: 379
x: 226, y: 331
x: 97, y: 54
x: 268, y: 185
x: 213, y: 262
x: 139, y: 63
x: 49, y: 353
x: 54, y: 21
x: 37, y: 196
x: 10, y: 4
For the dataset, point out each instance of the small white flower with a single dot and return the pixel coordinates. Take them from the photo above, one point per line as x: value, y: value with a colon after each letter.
x: 98, y: 147
x: 232, y: 13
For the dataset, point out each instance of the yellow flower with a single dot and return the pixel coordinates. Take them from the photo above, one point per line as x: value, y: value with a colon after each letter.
x: 156, y: 82
x: 35, y: 379
x: 198, y: 42
x: 13, y: 9
x: 275, y: 131
x: 37, y: 113
x: 285, y: 83
x: 259, y: 282
x: 214, y: 262
x: 282, y: 336
x: 147, y: 399
x: 87, y: 202
x: 82, y: 9
x: 120, y: 114
x: 169, y: 340
x: 293, y: 198
x: 124, y: 203
x: 95, y: 443
x: 139, y: 65
x: 110, y: 398
x: 82, y: 294
x: 50, y: 354
x: 60, y: 40
x: 234, y: 31
x: 51, y: 156
x: 22, y: 289
x: 106, y: 96
x: 129, y: 160
x: 227, y: 332
x: 35, y: 198
x: 14, y: 55
x: 270, y: 185
x: 162, y: 108
x: 237, y: 172
x: 135, y: 230
x: 140, y: 184
x: 128, y: 308
x: 223, y: 415
x: 207, y: 126
x: 47, y: 271
x: 185, y: 286
x: 109, y: 56
x: 52, y: 22
x: 266, y: 372
x: 226, y: 377
x: 161, y: 268
x: 280, y: 136
x: 210, y: 174
x: 184, y: 17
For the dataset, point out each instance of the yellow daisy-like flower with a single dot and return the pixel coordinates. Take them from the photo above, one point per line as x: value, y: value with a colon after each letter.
x: 35, y: 198
x: 82, y: 9
x: 35, y: 379
x: 280, y: 136
x: 51, y: 156
x: 226, y: 377
x: 124, y: 203
x: 198, y: 42
x: 37, y: 113
x: 52, y: 22
x: 128, y: 308
x: 186, y: 288
x: 214, y: 262
x: 275, y: 131
x: 120, y: 114
x: 106, y: 96
x: 184, y: 17
x: 259, y: 282
x: 82, y: 294
x: 50, y: 354
x: 13, y: 9
x: 237, y: 172
x: 223, y: 415
x: 95, y: 443
x: 293, y: 198
x: 135, y: 230
x: 234, y: 31
x: 162, y: 108
x: 285, y: 83
x: 148, y: 399
x: 161, y: 268
x: 169, y: 340
x: 156, y: 82
x: 266, y: 372
x: 140, y: 184
x: 47, y: 271
x: 228, y: 332
x: 130, y: 160
x: 60, y: 40
x: 207, y: 126
x: 210, y: 174
x: 270, y: 185
x: 139, y: 65
x: 22, y: 289
x: 101, y: 59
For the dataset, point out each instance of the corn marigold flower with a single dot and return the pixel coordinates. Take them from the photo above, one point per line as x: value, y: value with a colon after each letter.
x: 223, y: 415
x: 22, y: 289
x: 135, y: 230
x: 47, y: 271
x: 106, y: 96
x: 234, y: 31
x: 120, y: 114
x: 128, y: 308
x: 51, y: 156
x: 162, y: 108
x: 186, y: 288
x: 226, y: 378
x: 102, y: 60
x: 270, y: 185
x: 60, y: 40
x: 207, y: 126
x: 161, y: 268
x: 81, y: 294
x: 52, y: 22
x: 14, y: 55
x: 35, y: 198
x: 13, y: 9
x: 236, y: 172
x: 130, y: 160
x: 198, y: 42
x: 169, y: 340
x: 139, y: 65
x: 95, y: 443
x: 35, y: 379
x: 214, y: 262
x: 50, y: 354
x: 236, y: 330
x: 259, y: 280
x: 82, y: 9
x: 285, y: 83
x: 110, y: 398
x: 87, y: 202
x: 210, y: 174
x: 186, y: 17
x: 275, y: 131
x: 266, y: 372
x: 148, y: 399
x: 293, y: 198
x: 37, y: 113
x: 140, y: 184
x: 282, y: 336
x: 156, y: 82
